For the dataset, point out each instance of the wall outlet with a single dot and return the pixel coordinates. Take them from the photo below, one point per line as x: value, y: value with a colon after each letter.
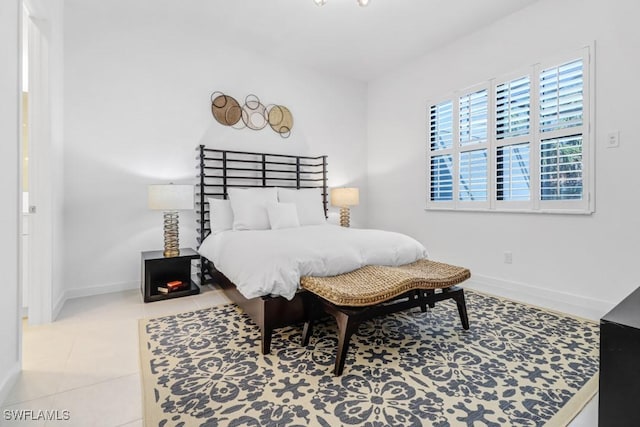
x: 508, y: 257
x: 613, y: 139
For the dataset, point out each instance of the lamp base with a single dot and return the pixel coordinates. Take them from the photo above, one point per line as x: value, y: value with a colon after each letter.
x: 171, y: 253
x: 344, y: 217
x: 171, y: 237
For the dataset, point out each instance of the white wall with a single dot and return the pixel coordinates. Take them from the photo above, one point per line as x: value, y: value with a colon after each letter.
x: 9, y: 185
x: 588, y: 261
x: 137, y: 104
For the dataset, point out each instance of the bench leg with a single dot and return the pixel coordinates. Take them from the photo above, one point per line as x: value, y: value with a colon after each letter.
x: 429, y: 293
x: 307, y: 331
x: 346, y: 327
x: 421, y: 295
x: 313, y: 312
x: 462, y: 309
x: 266, y: 332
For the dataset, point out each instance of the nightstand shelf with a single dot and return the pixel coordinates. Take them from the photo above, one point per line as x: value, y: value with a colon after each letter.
x: 157, y: 270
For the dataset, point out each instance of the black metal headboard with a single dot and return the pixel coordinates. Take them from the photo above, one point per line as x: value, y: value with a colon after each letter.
x: 224, y: 169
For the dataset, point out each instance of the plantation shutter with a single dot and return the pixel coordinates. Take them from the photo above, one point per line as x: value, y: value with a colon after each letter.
x: 473, y: 176
x: 561, y: 97
x: 561, y: 144
x: 441, y: 143
x: 513, y: 104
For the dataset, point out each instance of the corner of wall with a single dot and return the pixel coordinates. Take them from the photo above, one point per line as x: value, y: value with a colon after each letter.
x: 57, y: 306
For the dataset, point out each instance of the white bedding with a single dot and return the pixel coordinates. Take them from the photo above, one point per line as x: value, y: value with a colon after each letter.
x: 271, y: 262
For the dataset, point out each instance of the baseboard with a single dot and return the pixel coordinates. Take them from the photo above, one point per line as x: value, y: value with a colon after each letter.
x: 576, y: 305
x: 101, y: 289
x: 6, y: 383
x: 91, y: 291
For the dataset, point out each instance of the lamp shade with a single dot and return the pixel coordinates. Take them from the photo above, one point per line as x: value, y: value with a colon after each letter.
x: 345, y: 197
x: 170, y: 197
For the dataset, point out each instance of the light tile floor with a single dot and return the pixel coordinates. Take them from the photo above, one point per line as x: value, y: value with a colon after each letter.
x: 87, y: 361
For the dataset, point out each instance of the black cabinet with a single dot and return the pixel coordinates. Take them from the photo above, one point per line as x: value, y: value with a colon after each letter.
x: 158, y: 270
x: 620, y: 364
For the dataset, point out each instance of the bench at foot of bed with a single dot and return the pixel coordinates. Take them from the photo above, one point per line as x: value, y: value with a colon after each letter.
x: 373, y: 291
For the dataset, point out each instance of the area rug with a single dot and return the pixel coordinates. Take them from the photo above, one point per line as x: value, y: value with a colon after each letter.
x: 516, y: 365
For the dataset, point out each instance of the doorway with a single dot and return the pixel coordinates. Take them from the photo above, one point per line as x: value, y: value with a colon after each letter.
x: 24, y: 232
x: 36, y: 220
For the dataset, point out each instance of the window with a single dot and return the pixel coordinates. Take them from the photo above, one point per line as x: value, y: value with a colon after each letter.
x: 520, y: 143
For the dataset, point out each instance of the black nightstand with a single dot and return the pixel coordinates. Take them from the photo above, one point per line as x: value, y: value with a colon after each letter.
x: 157, y: 270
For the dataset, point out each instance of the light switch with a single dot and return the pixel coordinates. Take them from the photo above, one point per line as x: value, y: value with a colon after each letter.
x: 613, y: 139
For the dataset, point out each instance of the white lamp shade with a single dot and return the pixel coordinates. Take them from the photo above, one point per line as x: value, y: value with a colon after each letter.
x: 170, y: 197
x: 345, y: 197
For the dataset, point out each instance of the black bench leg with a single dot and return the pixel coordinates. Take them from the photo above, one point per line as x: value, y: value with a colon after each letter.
x: 312, y: 313
x: 421, y: 296
x: 462, y: 309
x: 346, y: 327
x: 266, y: 332
x: 430, y: 293
x: 307, y: 331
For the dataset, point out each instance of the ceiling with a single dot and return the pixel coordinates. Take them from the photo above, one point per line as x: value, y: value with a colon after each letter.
x: 339, y: 38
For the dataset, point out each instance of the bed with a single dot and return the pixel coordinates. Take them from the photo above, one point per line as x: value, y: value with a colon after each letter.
x: 275, y: 300
x: 221, y: 170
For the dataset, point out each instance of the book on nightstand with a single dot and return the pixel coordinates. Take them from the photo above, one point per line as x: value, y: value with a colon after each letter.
x: 176, y: 285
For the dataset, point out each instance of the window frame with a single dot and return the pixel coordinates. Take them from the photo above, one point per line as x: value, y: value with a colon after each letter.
x: 535, y: 204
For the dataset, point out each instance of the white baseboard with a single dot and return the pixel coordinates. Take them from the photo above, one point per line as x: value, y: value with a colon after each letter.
x: 576, y: 305
x: 555, y: 300
x: 91, y: 291
x: 8, y: 381
x: 101, y: 289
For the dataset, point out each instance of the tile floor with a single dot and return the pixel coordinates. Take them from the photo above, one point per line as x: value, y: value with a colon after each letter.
x: 87, y: 361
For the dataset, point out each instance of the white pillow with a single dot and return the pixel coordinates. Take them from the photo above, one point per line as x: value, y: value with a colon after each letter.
x: 308, y: 202
x: 220, y: 215
x: 249, y: 207
x: 283, y: 215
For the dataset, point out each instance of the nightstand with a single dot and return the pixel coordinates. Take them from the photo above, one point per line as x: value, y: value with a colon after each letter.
x: 157, y: 270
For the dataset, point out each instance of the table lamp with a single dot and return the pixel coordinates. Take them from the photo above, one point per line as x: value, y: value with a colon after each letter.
x: 343, y: 198
x: 171, y: 198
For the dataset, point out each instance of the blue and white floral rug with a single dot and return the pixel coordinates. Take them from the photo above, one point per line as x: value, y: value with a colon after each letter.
x: 517, y: 365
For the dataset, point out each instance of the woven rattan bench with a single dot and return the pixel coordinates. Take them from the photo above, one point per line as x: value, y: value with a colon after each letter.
x: 373, y: 291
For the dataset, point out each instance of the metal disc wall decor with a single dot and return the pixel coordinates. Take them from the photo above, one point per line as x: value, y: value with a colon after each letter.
x: 280, y: 119
x: 253, y: 114
x: 225, y: 109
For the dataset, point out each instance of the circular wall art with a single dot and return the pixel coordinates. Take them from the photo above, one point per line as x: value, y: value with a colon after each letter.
x: 254, y: 114
x: 280, y: 120
x: 225, y: 109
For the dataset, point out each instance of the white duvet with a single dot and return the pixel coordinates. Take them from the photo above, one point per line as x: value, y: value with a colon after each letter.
x: 271, y: 262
